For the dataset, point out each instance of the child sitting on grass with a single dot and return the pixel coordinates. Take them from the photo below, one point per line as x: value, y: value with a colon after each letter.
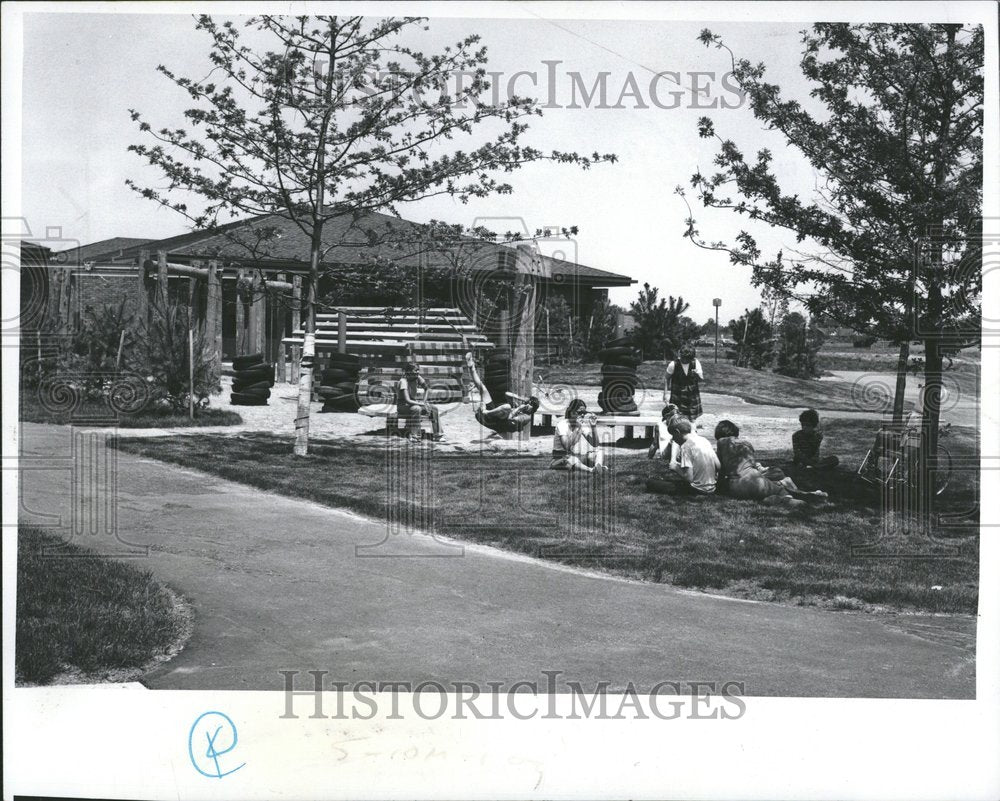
x: 806, y: 443
x: 662, y: 442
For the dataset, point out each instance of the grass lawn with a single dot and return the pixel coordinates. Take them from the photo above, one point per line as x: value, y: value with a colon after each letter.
x: 79, y: 612
x: 98, y: 413
x: 754, y: 386
x: 720, y: 544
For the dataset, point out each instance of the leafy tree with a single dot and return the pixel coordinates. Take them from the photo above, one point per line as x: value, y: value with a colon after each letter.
x: 754, y: 342
x: 798, y: 344
x: 339, y: 119
x: 890, y: 242
x: 656, y: 321
x: 684, y: 331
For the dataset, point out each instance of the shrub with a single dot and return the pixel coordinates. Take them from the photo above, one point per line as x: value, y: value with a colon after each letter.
x: 93, y: 355
x: 864, y: 341
x: 162, y: 355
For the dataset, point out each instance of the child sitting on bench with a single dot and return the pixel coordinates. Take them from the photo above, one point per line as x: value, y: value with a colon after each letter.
x: 503, y: 418
x: 409, y: 408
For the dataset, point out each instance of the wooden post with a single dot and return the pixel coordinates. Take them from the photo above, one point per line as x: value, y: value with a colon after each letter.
x: 66, y: 300
x: 213, y: 316
x: 296, y: 323
x: 258, y: 305
x: 162, y: 280
x: 191, y: 372
x: 241, y: 333
x: 118, y: 358
x: 341, y: 332
x: 147, y: 288
x: 522, y: 363
x: 279, y: 325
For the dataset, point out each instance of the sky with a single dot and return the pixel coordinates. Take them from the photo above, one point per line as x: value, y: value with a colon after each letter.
x: 83, y: 72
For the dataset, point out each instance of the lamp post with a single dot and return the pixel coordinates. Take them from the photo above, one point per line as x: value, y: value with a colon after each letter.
x: 716, y: 302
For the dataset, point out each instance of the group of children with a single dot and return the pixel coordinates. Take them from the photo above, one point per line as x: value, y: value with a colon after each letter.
x: 696, y: 468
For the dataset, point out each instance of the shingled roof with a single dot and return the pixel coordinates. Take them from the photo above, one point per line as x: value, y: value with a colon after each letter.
x: 276, y: 241
x: 105, y: 250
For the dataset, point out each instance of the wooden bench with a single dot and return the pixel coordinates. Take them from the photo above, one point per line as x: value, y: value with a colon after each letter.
x: 649, y: 422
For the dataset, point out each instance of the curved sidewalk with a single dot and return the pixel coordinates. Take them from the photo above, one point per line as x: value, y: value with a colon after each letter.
x: 280, y: 584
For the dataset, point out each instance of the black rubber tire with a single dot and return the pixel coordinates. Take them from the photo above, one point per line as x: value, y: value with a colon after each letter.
x: 242, y: 386
x: 333, y: 375
x: 620, y: 382
x: 256, y: 393
x: 611, y: 353
x: 347, y: 405
x: 343, y: 361
x: 258, y: 372
x: 343, y: 387
x: 621, y: 342
x: 617, y: 369
x: 335, y: 392
x: 623, y: 361
x: 241, y: 399
x: 617, y: 395
x: 250, y: 359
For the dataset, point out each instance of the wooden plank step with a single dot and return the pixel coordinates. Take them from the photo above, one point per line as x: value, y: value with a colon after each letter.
x: 417, y: 345
x: 391, y: 334
x: 396, y: 372
x: 382, y: 309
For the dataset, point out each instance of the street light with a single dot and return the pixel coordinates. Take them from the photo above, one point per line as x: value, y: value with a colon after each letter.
x: 716, y: 302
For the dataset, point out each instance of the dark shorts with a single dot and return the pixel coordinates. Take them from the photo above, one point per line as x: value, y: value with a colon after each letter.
x: 666, y: 486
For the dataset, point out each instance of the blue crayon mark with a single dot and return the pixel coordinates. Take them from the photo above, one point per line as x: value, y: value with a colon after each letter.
x: 211, y: 725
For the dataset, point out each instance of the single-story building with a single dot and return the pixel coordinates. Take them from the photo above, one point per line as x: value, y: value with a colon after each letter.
x: 452, y: 270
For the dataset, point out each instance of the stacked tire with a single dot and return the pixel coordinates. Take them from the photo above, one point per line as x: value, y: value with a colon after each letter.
x: 496, y: 377
x: 620, y: 360
x: 338, y: 383
x: 252, y: 380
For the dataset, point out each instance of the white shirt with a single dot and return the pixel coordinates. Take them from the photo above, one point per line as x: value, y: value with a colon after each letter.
x: 698, y: 457
x: 577, y: 442
x: 687, y: 369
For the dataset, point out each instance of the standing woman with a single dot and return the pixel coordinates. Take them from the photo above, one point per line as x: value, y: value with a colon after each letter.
x: 684, y: 375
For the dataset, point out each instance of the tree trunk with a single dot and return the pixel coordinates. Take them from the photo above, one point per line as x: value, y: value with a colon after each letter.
x: 897, y: 400
x: 309, y: 329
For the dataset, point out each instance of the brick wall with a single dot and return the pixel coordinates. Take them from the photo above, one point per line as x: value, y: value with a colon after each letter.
x: 96, y: 291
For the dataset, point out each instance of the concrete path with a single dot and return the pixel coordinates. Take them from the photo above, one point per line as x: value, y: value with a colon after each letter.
x: 278, y: 584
